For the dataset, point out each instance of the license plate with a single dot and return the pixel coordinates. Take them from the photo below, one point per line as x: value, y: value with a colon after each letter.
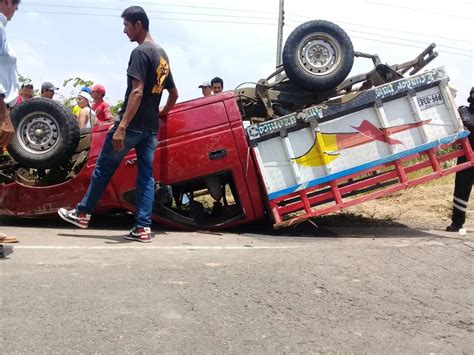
x: 432, y: 100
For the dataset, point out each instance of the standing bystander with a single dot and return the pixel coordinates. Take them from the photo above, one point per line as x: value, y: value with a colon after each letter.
x: 26, y: 93
x: 148, y: 74
x: 206, y: 88
x: 76, y: 109
x: 464, y: 178
x: 85, y: 116
x: 100, y: 107
x: 48, y: 90
x: 217, y: 85
x: 8, y: 83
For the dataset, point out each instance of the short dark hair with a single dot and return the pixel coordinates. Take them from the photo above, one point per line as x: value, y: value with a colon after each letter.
x: 217, y: 80
x: 134, y: 14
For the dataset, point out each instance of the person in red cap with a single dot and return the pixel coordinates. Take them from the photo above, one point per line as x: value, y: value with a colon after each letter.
x: 101, y: 108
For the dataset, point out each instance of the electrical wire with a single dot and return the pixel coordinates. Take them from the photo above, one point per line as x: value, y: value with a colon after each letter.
x: 402, y: 39
x: 170, y: 5
x: 411, y: 46
x: 383, y: 28
x: 246, y: 23
x: 419, y: 10
x: 152, y: 18
x: 149, y: 11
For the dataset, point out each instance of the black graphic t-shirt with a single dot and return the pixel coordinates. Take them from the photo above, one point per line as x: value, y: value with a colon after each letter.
x: 149, y: 64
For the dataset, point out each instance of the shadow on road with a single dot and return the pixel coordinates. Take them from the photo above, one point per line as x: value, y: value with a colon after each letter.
x: 5, y: 251
x: 332, y: 226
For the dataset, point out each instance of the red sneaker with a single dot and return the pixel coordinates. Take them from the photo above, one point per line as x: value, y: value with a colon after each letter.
x: 140, y: 234
x: 72, y: 216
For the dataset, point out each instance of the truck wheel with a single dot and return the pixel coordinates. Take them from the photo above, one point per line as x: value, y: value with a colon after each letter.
x: 46, y: 134
x: 318, y: 55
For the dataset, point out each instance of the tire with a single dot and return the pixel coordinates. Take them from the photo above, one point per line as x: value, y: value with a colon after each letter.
x: 318, y: 55
x: 47, y: 134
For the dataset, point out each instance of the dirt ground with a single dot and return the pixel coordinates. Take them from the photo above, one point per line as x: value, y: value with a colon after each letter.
x: 424, y: 207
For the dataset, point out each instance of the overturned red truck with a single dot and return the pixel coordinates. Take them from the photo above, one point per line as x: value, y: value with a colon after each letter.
x: 304, y: 142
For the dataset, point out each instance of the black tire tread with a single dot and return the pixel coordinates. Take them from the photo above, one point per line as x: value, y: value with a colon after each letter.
x: 305, y: 80
x: 66, y: 145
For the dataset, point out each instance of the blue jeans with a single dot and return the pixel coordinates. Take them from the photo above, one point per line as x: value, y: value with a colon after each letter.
x: 145, y: 143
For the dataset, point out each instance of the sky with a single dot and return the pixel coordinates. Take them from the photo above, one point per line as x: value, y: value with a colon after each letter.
x: 235, y: 40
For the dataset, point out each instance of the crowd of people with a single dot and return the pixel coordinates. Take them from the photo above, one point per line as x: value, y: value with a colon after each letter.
x: 90, y: 108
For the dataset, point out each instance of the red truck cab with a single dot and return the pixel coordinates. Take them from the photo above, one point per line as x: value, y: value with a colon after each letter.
x: 204, y: 156
x: 203, y: 165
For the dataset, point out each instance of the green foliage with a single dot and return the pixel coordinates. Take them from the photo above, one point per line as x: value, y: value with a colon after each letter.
x: 24, y: 80
x: 75, y: 84
x: 116, y: 108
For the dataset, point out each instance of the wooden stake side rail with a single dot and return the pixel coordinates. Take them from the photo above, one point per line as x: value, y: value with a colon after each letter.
x: 369, y: 184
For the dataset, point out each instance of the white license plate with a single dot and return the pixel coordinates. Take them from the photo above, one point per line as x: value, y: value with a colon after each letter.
x: 428, y: 101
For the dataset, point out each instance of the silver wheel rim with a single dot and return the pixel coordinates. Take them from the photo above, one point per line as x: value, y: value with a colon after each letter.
x: 319, y: 54
x: 38, y: 133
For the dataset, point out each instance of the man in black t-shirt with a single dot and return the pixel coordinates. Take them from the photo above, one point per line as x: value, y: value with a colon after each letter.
x: 148, y: 74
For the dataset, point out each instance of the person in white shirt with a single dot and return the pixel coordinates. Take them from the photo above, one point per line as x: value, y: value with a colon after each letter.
x: 85, y: 115
x: 8, y: 83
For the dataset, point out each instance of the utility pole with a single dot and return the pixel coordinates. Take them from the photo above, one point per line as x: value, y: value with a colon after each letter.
x: 281, y: 17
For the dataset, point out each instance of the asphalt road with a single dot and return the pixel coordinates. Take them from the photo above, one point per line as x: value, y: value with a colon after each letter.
x: 376, y: 290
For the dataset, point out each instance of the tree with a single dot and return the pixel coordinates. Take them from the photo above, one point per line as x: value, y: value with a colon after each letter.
x: 76, y: 84
x: 116, y: 108
x: 24, y: 80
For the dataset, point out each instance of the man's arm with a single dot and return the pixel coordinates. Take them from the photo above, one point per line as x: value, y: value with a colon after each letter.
x: 83, y: 117
x: 172, y: 97
x: 133, y: 103
x: 3, y: 109
x: 6, y: 127
x: 108, y: 116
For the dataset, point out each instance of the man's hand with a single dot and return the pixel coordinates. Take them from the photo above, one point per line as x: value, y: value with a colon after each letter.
x: 118, y: 138
x: 6, y: 130
x: 172, y: 97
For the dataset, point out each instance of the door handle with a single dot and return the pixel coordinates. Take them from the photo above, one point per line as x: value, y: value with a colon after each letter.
x: 218, y: 154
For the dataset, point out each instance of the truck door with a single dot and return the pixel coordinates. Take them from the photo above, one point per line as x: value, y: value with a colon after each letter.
x: 198, y: 168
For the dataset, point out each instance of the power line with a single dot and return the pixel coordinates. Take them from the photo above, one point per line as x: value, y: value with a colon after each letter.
x: 152, y: 11
x: 400, y: 38
x: 420, y: 10
x: 386, y: 29
x: 182, y: 6
x: 408, y: 45
x: 405, y: 45
x: 152, y: 18
x: 208, y: 8
x: 228, y: 22
x: 237, y: 16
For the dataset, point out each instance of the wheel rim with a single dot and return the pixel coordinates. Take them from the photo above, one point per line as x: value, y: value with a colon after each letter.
x: 319, y: 54
x: 38, y: 132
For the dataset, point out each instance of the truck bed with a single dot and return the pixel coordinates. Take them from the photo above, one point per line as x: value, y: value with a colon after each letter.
x: 353, y: 149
